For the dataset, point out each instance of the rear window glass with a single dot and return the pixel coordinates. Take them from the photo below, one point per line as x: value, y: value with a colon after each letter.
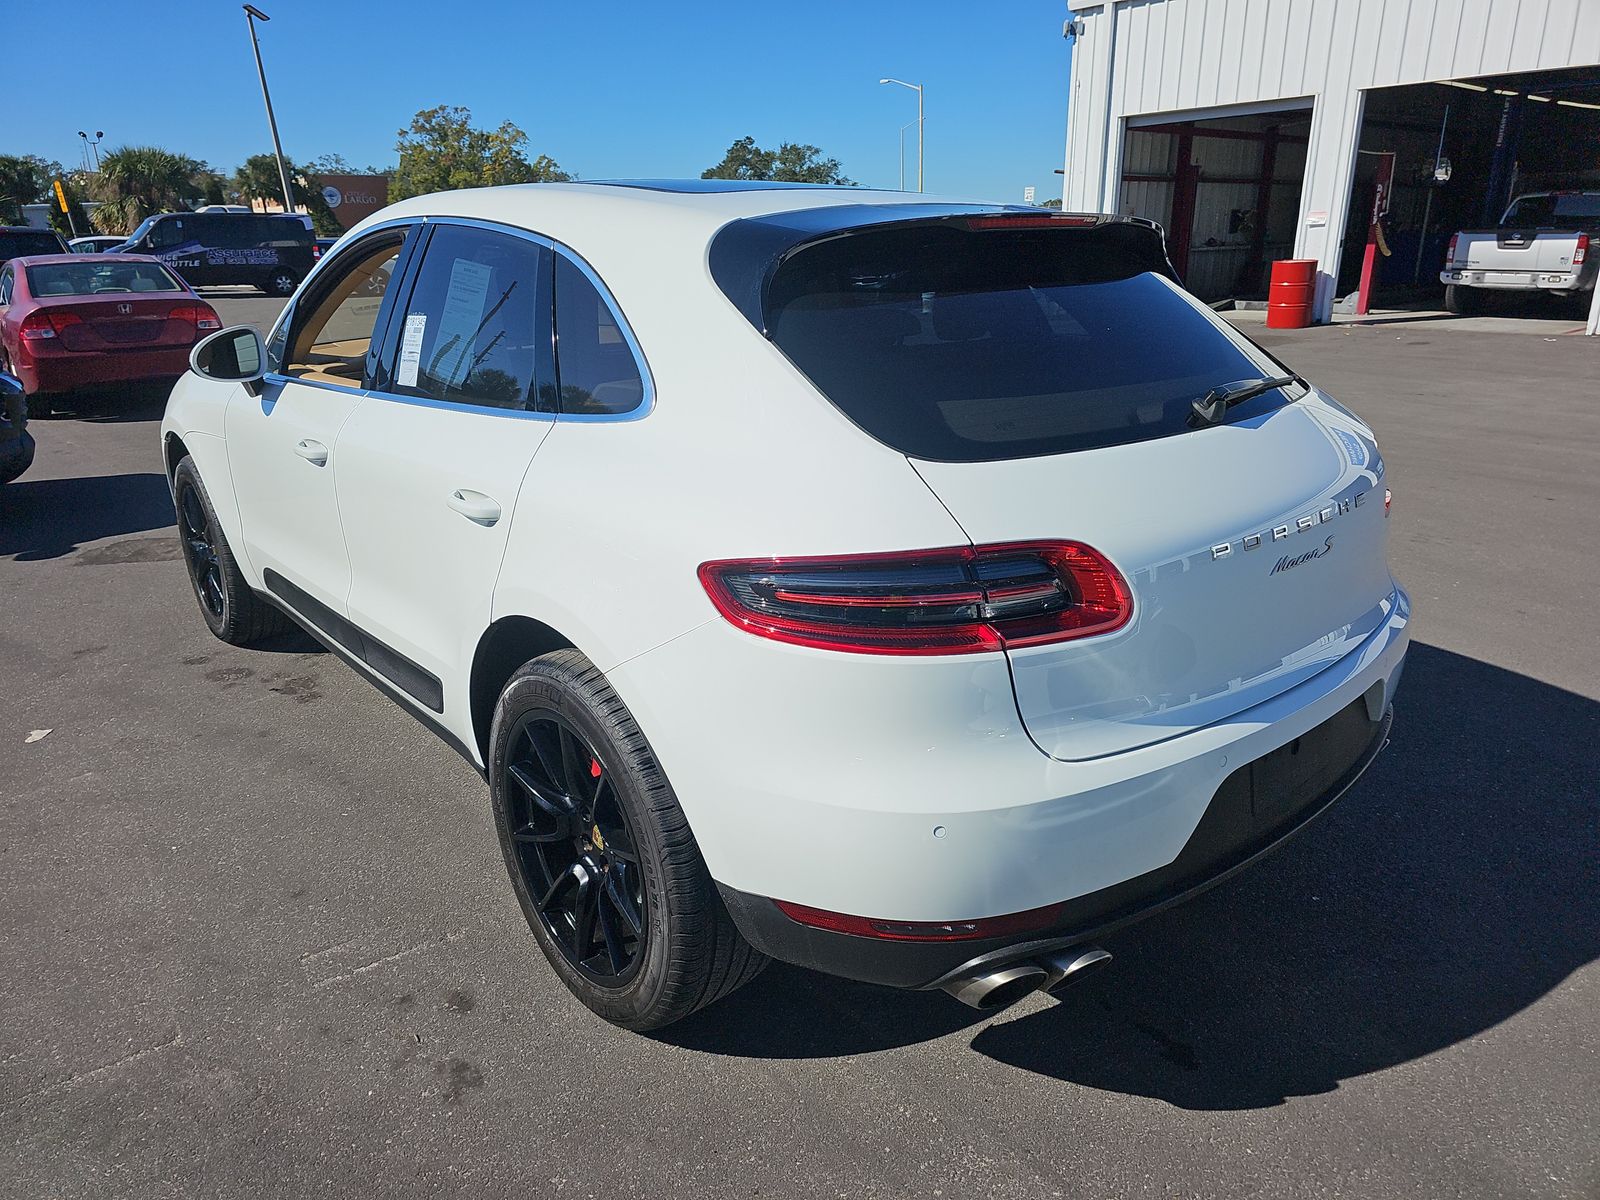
x: 1550, y: 210
x: 90, y: 278
x: 15, y: 245
x: 599, y: 374
x: 970, y: 346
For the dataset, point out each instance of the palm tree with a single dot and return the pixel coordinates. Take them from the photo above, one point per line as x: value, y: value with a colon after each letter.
x: 136, y: 181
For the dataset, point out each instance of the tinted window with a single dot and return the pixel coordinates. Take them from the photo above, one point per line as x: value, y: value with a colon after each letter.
x: 596, y: 366
x: 167, y: 233
x: 86, y: 279
x: 331, y: 336
x: 1551, y: 209
x: 5, y: 286
x: 472, y: 329
x: 16, y: 243
x: 977, y: 345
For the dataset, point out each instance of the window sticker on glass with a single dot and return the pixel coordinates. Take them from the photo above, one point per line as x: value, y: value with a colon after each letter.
x: 460, y: 321
x: 411, y: 349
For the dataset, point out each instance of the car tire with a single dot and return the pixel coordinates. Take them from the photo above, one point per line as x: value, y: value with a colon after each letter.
x: 231, y: 609
x: 1462, y: 301
x: 280, y: 283
x: 613, y: 830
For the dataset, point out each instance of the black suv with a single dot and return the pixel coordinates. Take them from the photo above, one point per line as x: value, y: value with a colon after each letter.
x: 17, y: 240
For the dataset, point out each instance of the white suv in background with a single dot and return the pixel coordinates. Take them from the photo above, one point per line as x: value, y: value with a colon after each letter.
x: 913, y: 590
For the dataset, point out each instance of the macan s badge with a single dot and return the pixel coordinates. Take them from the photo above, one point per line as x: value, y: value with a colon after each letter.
x: 1253, y: 541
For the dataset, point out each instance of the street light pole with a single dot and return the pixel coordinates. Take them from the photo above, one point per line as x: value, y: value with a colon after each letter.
x: 93, y: 146
x: 903, y: 129
x: 252, y: 14
x: 917, y: 88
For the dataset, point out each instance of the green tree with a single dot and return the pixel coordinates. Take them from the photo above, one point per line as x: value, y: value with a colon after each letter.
x: 791, y: 162
x: 441, y: 151
x: 24, y: 179
x: 257, y: 179
x: 136, y: 181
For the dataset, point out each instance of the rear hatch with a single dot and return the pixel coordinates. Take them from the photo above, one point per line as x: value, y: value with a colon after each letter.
x: 1254, y: 552
x: 1544, y: 250
x: 1040, y: 374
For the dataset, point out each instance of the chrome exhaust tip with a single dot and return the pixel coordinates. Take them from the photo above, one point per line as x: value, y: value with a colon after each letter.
x: 1069, y: 966
x: 995, y: 989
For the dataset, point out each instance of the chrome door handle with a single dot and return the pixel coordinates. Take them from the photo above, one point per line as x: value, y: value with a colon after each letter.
x: 474, y: 506
x: 313, y: 452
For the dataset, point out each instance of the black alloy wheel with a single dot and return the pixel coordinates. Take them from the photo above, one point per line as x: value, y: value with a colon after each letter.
x: 205, y: 569
x: 231, y: 610
x: 576, y: 849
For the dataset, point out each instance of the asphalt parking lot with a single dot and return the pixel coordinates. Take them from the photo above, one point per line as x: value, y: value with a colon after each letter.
x: 256, y: 938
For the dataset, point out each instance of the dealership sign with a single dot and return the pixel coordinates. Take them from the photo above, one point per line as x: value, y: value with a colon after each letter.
x: 354, y: 197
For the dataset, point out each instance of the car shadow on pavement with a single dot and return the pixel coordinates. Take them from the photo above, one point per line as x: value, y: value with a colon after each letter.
x: 49, y: 518
x: 131, y: 402
x: 1456, y: 886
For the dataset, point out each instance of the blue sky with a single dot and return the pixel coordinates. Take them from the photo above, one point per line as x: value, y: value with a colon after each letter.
x: 605, y: 89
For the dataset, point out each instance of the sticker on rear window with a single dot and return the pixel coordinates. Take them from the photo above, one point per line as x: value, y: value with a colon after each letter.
x: 411, y: 349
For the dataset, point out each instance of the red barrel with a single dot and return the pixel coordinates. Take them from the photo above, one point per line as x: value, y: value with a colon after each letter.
x: 1293, y: 292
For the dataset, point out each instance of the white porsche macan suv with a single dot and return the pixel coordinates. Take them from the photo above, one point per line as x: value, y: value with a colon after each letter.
x: 912, y: 590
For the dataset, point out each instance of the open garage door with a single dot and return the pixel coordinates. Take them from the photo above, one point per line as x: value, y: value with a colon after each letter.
x: 1455, y: 154
x: 1226, y: 190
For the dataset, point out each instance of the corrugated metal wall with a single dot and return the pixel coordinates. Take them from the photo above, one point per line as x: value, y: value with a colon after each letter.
x: 1202, y: 57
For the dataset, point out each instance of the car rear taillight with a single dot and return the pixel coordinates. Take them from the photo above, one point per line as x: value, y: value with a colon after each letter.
x: 923, y: 931
x: 47, y: 323
x: 1581, y: 251
x: 1450, y: 254
x: 202, y: 316
x: 959, y: 600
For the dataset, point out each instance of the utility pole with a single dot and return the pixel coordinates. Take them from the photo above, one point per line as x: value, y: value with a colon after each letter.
x: 252, y: 14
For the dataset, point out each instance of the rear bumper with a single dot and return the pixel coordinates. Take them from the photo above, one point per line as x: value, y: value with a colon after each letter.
x: 1258, y: 808
x: 1520, y: 281
x: 907, y: 790
x: 66, y: 371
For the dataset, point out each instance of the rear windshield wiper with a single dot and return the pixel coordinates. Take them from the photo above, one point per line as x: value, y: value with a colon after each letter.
x: 1214, y: 405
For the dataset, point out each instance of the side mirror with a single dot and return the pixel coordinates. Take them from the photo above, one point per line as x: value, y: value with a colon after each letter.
x: 234, y: 355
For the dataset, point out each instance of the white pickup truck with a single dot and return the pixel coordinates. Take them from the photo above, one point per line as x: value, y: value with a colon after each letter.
x: 1542, y: 245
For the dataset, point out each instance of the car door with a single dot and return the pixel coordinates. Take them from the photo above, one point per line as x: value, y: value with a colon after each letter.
x: 281, y: 442
x: 430, y: 467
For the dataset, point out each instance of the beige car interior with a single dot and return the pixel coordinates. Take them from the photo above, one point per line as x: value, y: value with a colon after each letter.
x: 332, y: 345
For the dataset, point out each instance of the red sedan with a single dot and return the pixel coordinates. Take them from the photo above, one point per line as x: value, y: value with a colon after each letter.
x: 79, y: 321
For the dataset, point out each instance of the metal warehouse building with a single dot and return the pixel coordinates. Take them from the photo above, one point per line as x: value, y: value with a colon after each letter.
x: 1261, y: 129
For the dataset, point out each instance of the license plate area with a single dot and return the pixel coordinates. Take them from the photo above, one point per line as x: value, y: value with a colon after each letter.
x: 1287, y: 779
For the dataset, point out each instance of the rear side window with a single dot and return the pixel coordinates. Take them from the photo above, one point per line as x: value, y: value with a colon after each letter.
x: 599, y: 374
x: 977, y: 345
x: 472, y: 330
